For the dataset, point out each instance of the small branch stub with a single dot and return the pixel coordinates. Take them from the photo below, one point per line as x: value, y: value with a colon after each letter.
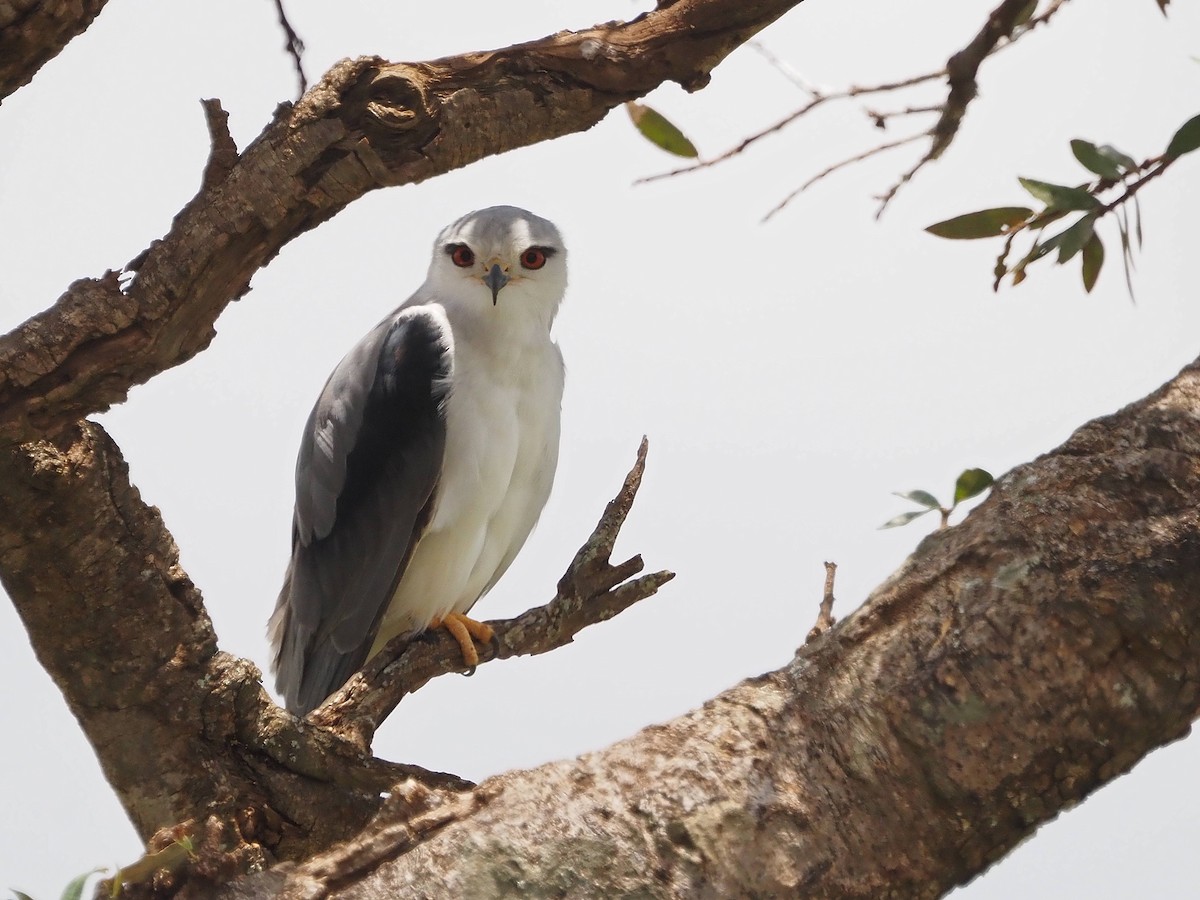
x: 825, y: 617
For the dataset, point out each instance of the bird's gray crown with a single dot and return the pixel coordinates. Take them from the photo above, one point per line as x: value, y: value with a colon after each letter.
x: 501, y: 225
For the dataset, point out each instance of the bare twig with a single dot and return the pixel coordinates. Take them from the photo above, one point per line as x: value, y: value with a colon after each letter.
x: 593, y: 590
x: 785, y: 69
x: 880, y: 119
x: 1000, y: 30
x: 829, y: 170
x: 818, y: 99
x: 294, y: 46
x: 825, y: 617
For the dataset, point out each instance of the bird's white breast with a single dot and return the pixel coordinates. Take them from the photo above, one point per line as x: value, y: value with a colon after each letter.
x: 502, y: 435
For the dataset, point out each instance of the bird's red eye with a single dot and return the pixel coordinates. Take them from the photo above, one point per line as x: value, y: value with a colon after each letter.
x: 461, y: 255
x: 533, y: 258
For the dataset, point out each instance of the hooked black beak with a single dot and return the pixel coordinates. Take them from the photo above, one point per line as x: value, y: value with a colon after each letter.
x: 495, y: 279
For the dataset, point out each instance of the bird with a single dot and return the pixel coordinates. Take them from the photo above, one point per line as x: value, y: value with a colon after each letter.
x: 427, y: 458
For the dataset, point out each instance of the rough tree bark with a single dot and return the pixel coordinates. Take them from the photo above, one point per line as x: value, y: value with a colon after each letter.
x: 1014, y: 664
x: 33, y: 32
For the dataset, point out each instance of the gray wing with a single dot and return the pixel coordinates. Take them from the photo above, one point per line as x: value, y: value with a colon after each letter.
x: 365, y: 480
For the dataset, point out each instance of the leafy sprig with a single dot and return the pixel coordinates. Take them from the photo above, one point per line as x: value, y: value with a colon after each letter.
x: 971, y: 483
x: 1114, y: 171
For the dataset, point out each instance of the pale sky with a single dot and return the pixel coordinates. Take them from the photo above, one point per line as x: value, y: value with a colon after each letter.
x: 789, y: 375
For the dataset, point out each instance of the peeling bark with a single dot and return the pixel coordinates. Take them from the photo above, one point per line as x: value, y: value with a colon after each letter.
x: 33, y: 32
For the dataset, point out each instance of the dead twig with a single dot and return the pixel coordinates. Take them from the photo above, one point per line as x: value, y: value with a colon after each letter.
x: 829, y: 170
x: 825, y: 617
x: 593, y: 590
x: 817, y: 99
x: 294, y: 47
x: 880, y: 119
x: 1002, y: 29
x: 784, y: 68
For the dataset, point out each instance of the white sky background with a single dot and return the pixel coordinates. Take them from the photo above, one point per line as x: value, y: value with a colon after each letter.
x: 789, y: 375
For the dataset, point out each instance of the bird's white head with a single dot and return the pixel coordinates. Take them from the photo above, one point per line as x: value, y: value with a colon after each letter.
x: 502, y: 259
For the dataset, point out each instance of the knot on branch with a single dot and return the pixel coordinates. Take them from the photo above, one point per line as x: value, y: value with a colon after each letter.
x: 396, y: 105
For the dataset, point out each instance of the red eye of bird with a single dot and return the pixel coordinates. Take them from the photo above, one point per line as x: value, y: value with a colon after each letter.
x: 461, y: 255
x: 533, y: 258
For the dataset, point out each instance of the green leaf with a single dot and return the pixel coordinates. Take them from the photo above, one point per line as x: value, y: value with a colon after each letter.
x: 1093, y: 259
x: 1126, y: 252
x: 1059, y: 196
x: 903, y: 519
x: 971, y: 483
x: 1137, y: 220
x: 1186, y: 139
x: 74, y: 890
x: 658, y: 131
x: 1093, y: 160
x: 20, y: 895
x: 1072, y: 240
x: 923, y: 497
x: 982, y: 224
x: 1108, y: 151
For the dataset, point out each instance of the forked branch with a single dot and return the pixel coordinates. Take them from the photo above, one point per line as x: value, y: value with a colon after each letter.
x: 593, y: 590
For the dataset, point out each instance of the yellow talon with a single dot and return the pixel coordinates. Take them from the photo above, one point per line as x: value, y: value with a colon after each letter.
x: 464, y: 628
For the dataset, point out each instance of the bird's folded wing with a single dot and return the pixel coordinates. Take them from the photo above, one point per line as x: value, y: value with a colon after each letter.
x: 366, y: 477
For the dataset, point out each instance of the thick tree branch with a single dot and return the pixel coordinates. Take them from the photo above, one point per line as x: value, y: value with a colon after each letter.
x: 592, y: 591
x: 33, y: 32
x: 366, y: 125
x: 181, y: 730
x: 1014, y: 664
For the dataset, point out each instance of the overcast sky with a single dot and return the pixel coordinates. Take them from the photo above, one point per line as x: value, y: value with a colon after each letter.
x: 789, y: 375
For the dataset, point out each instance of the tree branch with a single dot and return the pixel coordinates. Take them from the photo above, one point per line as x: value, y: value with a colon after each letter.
x: 961, y: 70
x: 825, y: 619
x: 367, y: 124
x: 293, y: 45
x: 33, y: 32
x: 1014, y: 664
x: 592, y: 591
x: 1002, y: 29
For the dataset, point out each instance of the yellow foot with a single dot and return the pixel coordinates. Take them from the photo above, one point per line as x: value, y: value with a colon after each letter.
x: 464, y: 628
